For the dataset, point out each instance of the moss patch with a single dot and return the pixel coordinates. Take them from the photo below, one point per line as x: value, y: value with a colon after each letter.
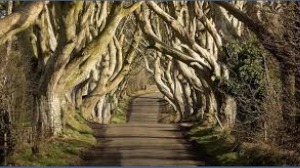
x: 61, y: 151
x: 76, y: 122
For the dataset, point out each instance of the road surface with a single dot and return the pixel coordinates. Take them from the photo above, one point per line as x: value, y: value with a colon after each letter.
x: 142, y: 141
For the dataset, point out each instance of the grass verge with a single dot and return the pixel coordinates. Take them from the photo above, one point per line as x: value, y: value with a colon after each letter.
x: 221, y: 149
x: 217, y: 147
x: 63, y: 150
x: 120, y: 113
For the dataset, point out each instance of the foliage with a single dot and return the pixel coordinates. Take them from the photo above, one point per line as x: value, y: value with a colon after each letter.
x: 264, y: 154
x: 246, y: 65
x: 222, y: 148
x: 63, y: 44
x: 217, y: 146
x: 14, y: 99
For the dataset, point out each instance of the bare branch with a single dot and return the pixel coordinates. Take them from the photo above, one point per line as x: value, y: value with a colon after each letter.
x: 19, y: 20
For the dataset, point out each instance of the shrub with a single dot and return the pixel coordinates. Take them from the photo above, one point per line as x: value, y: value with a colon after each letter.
x: 246, y: 65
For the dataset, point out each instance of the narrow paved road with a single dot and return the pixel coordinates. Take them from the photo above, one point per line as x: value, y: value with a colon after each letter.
x: 142, y: 141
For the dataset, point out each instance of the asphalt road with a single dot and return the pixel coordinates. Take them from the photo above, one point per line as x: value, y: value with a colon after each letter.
x: 142, y: 141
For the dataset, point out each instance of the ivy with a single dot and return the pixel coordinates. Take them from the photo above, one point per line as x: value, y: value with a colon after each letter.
x: 246, y: 65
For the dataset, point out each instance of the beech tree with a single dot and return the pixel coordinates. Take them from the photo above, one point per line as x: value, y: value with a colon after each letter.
x: 185, y: 33
x: 279, y: 44
x: 63, y: 42
x: 79, y: 55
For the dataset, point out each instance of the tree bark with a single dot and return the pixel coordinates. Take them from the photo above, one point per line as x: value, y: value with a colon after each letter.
x: 281, y: 52
x: 19, y: 20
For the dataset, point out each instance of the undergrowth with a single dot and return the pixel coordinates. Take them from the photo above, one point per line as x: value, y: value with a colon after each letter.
x: 120, y: 113
x: 221, y: 148
x: 63, y: 150
x: 167, y: 114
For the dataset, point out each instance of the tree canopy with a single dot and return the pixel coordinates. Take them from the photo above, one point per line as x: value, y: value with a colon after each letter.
x: 79, y: 56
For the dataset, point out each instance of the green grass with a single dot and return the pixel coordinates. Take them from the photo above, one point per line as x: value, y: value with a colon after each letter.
x: 221, y: 149
x: 217, y: 146
x: 76, y: 122
x: 119, y: 117
x: 120, y: 113
x: 61, y: 151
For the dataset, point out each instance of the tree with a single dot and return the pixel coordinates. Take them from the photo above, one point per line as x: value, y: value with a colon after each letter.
x: 185, y: 33
x: 63, y: 43
x: 281, y: 50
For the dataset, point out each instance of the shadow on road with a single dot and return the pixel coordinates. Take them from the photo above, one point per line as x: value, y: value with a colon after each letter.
x: 142, y: 141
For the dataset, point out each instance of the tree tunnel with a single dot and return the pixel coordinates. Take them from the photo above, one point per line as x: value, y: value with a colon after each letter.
x: 81, y: 54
